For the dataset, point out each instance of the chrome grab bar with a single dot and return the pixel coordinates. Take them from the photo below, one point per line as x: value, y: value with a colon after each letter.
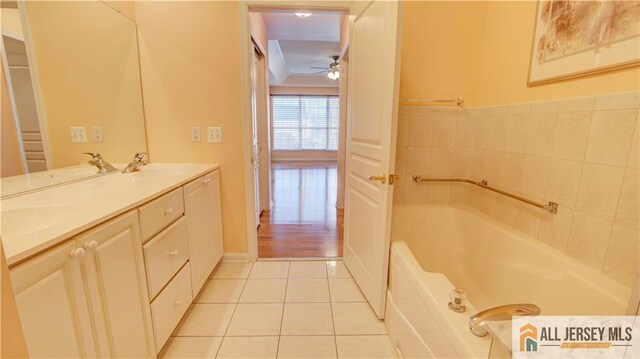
x: 551, y: 206
x: 478, y: 321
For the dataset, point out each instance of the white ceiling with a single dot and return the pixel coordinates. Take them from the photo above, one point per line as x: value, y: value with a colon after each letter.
x: 305, y: 42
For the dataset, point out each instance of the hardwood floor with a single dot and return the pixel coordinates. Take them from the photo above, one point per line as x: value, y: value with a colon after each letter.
x: 304, y: 221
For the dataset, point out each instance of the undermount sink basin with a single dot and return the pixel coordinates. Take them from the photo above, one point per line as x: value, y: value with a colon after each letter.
x: 21, y: 221
x: 161, y: 171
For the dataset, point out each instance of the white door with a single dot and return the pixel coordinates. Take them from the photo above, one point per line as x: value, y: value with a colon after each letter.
x: 255, y: 156
x: 52, y: 305
x: 117, y: 287
x: 374, y: 64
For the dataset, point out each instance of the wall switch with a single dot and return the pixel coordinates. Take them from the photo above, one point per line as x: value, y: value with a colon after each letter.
x: 97, y: 134
x: 79, y: 134
x: 214, y: 134
x: 195, y: 134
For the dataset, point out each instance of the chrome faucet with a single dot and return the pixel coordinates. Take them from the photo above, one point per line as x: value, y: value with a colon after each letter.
x: 102, y: 165
x: 138, y: 161
x: 478, y: 321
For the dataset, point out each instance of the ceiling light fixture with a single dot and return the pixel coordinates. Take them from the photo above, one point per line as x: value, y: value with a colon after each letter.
x: 334, y: 69
x: 303, y: 15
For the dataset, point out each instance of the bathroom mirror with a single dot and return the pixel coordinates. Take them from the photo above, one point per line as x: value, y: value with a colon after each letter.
x: 72, y: 76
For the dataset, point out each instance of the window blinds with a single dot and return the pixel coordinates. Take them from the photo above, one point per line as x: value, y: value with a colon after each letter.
x: 303, y: 123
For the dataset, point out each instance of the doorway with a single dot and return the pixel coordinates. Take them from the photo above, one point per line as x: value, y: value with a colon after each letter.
x: 302, y: 132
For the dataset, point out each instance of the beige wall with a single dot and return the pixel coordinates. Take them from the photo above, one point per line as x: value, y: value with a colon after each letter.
x: 190, y: 60
x: 10, y: 150
x: 88, y: 78
x: 126, y: 8
x: 480, y: 51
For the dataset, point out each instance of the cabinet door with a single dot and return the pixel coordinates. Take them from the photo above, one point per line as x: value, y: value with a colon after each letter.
x: 214, y: 213
x: 52, y: 305
x: 198, y: 232
x: 115, y: 277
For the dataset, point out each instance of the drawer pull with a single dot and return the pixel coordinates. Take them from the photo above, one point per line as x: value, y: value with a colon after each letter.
x: 179, y: 302
x: 207, y: 180
x: 168, y: 210
x: 91, y: 245
x: 76, y: 253
x: 173, y: 253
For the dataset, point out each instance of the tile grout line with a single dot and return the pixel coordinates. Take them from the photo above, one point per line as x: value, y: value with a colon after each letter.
x: 284, y: 301
x: 333, y: 322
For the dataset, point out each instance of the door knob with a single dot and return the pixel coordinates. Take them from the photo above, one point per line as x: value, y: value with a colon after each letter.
x: 382, y: 178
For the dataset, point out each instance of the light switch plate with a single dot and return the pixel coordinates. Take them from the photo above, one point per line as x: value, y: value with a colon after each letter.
x: 214, y: 134
x: 97, y: 134
x: 195, y: 134
x: 78, y: 134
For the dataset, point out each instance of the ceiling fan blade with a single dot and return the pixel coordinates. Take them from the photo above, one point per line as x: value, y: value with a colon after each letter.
x: 316, y: 67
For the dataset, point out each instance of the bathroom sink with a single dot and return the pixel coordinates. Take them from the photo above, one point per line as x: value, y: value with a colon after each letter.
x: 21, y: 221
x: 162, y: 171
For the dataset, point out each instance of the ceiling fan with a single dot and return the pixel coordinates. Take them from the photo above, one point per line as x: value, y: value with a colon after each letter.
x: 333, y: 71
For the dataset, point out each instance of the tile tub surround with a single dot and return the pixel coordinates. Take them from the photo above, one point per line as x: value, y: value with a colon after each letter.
x: 300, y: 309
x: 581, y: 152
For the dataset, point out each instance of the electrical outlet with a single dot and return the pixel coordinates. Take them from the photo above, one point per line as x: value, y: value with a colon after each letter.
x: 195, y: 134
x: 214, y: 134
x: 97, y: 134
x: 78, y: 134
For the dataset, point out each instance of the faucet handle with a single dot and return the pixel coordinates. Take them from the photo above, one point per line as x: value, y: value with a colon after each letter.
x: 94, y: 155
x: 139, y: 156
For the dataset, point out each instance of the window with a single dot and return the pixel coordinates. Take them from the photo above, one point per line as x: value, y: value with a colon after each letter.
x: 302, y: 123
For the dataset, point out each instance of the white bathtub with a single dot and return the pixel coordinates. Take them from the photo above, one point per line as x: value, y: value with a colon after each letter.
x: 436, y: 248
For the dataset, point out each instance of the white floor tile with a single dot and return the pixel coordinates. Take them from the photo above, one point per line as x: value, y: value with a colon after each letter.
x: 307, y: 319
x: 221, y: 291
x: 312, y: 269
x: 269, y: 270
x: 264, y: 291
x: 356, y: 318
x: 206, y: 320
x: 192, y: 347
x: 232, y: 270
x: 337, y: 269
x: 307, y: 290
x: 248, y: 347
x: 365, y: 346
x: 256, y: 319
x: 345, y: 290
x: 300, y: 347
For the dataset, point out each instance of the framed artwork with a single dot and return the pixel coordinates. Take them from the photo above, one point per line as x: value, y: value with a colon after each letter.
x: 578, y: 38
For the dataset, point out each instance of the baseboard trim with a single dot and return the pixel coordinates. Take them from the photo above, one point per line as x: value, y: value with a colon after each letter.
x: 235, y: 257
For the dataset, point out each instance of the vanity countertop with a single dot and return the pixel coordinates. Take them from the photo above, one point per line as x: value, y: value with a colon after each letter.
x: 33, y: 222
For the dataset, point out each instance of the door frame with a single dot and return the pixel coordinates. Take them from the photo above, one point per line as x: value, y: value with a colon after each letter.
x: 245, y: 7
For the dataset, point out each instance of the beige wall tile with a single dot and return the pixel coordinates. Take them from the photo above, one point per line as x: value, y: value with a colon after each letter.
x: 588, y: 239
x: 497, y: 132
x: 520, y: 108
x: 554, y: 228
x: 572, y: 134
x: 444, y: 131
x: 463, y: 160
x: 418, y: 159
x: 576, y: 104
x: 401, y: 160
x: 403, y: 130
x: 438, y: 193
x: 420, y: 129
x: 459, y: 193
x: 399, y: 190
x: 464, y: 131
x: 494, y: 167
x: 415, y: 193
x: 512, y: 172
x: 610, y: 137
x: 634, y: 152
x: 500, y: 110
x: 482, y: 124
x: 506, y: 209
x: 599, y: 190
x: 628, y: 206
x: 622, y: 261
x: 617, y: 101
x: 534, y: 176
x: 517, y: 132
x: 545, y: 107
x: 442, y: 162
x: 528, y: 219
x: 563, y: 181
x: 541, y: 136
x: 421, y: 111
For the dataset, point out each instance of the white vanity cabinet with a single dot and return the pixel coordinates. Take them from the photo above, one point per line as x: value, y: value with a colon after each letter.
x: 88, y: 297
x: 204, y: 227
x: 51, y: 301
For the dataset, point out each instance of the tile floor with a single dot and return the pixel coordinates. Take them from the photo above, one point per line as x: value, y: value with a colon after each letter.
x: 310, y: 309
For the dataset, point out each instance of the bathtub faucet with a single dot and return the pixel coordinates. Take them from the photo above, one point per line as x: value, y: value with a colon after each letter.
x: 478, y: 321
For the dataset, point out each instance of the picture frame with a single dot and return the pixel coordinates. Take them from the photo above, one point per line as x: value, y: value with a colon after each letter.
x: 572, y: 39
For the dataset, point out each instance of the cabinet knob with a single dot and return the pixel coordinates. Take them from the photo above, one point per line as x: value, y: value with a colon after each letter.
x: 91, y: 245
x: 173, y: 253
x: 77, y: 253
x: 168, y: 210
x: 179, y: 302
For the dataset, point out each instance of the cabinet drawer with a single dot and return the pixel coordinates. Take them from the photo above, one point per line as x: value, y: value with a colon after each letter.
x: 165, y: 254
x: 170, y: 305
x: 159, y: 213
